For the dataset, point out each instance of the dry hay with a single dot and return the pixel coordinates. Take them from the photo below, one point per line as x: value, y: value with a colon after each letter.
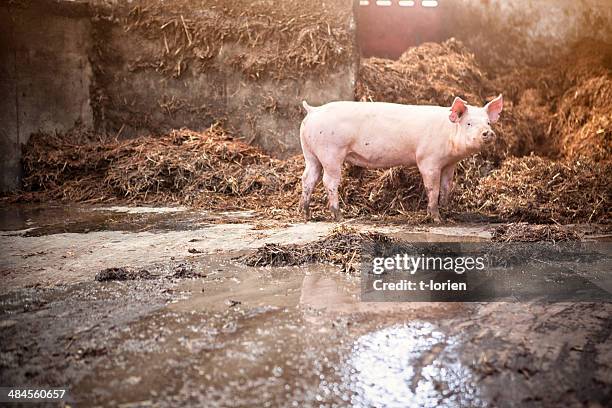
x: 539, y: 190
x: 585, y: 120
x: 431, y: 73
x: 63, y: 167
x: 523, y: 232
x: 560, y: 109
x: 342, y: 246
x: 212, y: 170
x: 565, y: 104
x: 435, y: 73
x: 207, y: 169
x: 532, y: 189
x: 185, y: 165
x: 258, y: 38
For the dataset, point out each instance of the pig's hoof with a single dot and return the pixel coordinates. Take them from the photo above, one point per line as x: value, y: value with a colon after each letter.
x: 336, y: 214
x: 305, y: 210
x: 435, y: 217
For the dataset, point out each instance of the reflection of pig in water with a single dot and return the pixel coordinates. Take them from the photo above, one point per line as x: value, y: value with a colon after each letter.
x: 382, y: 135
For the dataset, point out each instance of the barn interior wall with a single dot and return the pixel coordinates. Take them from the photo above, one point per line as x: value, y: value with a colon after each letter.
x: 44, y: 80
x: 61, y: 67
x: 559, y: 21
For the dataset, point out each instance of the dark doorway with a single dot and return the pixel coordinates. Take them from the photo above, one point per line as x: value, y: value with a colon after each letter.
x: 386, y: 28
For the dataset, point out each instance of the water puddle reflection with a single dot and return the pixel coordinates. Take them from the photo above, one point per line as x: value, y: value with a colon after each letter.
x: 409, y: 365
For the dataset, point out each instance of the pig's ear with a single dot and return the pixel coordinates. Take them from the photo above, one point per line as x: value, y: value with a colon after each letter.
x: 458, y: 108
x: 494, y: 108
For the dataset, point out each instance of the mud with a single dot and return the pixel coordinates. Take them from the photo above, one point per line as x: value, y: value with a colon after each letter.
x: 34, y: 220
x: 205, y: 329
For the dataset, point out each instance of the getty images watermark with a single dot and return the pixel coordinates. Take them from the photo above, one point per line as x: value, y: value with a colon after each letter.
x: 466, y: 272
x: 411, y: 264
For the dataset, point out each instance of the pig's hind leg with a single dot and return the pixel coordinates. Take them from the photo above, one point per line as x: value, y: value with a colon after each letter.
x: 331, y: 180
x: 310, y: 178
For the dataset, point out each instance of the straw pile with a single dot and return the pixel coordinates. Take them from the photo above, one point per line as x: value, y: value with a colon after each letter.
x: 431, y: 73
x: 558, y: 112
x: 208, y: 169
x: 212, y: 170
x: 585, y: 122
x: 258, y: 38
x: 523, y: 232
x: 539, y: 190
x: 343, y: 246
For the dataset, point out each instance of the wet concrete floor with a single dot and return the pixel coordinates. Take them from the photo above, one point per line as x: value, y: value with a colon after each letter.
x: 203, y: 329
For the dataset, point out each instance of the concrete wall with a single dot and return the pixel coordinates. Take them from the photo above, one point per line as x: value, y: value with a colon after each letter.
x: 266, y: 112
x: 44, y: 80
x: 62, y: 67
x: 554, y: 20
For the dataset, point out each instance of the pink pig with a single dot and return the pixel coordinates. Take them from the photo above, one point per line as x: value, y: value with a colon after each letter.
x: 383, y: 135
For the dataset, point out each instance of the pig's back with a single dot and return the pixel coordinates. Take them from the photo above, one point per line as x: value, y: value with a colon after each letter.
x: 382, y: 113
x: 374, y: 134
x: 369, y: 118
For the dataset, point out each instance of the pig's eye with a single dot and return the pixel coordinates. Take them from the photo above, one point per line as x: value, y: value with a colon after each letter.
x: 469, y: 124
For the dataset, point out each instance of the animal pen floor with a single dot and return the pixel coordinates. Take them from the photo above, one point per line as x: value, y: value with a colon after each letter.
x: 196, y: 325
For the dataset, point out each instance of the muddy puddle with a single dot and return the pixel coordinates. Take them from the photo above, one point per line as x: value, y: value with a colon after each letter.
x: 38, y: 220
x: 201, y: 328
x: 295, y: 336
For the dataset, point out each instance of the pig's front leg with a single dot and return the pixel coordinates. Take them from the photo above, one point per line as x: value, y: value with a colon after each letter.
x: 431, y: 179
x: 446, y: 184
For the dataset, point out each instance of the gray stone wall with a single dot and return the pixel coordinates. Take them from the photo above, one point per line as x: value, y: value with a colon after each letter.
x: 44, y: 81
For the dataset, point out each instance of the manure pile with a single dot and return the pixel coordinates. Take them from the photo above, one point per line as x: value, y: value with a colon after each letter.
x: 552, y: 160
x: 343, y: 246
x: 551, y: 163
x: 206, y: 169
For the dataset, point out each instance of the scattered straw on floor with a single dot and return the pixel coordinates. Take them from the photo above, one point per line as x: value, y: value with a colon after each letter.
x: 343, y: 246
x: 539, y: 190
x: 524, y: 232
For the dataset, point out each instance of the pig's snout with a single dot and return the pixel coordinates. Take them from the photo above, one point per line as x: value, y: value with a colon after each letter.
x: 488, y: 136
